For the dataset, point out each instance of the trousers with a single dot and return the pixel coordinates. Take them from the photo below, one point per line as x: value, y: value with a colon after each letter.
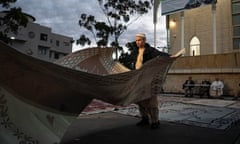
x: 149, y: 109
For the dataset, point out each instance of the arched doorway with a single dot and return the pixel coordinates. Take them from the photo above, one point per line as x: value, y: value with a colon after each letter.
x: 194, y: 46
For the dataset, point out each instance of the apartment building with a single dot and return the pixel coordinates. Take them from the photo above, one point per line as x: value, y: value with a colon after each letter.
x: 39, y: 41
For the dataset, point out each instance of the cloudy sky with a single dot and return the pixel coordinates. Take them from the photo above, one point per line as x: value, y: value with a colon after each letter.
x: 63, y: 16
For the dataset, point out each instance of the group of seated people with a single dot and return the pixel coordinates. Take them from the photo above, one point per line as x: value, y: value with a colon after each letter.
x: 214, y: 89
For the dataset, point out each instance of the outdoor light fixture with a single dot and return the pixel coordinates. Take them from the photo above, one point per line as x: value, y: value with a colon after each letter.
x: 12, y: 38
x: 172, y: 23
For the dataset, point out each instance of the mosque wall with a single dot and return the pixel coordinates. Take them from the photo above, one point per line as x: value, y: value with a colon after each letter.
x: 199, y: 22
x: 226, y: 67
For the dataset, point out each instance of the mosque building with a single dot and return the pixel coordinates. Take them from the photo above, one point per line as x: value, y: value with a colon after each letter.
x: 209, y: 30
x: 203, y: 27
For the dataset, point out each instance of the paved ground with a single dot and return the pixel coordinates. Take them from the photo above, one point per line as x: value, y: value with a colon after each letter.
x: 183, y: 121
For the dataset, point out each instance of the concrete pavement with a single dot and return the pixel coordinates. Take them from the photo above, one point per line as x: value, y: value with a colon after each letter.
x: 183, y: 121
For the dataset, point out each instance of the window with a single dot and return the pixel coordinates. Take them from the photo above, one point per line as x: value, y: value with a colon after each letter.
x: 57, y: 43
x: 43, y: 37
x: 56, y: 55
x: 236, y: 24
x: 194, y: 46
x: 51, y: 53
x: 236, y: 6
x: 236, y: 43
x: 42, y: 50
x: 236, y: 19
x: 31, y: 35
x: 236, y: 31
x: 66, y: 44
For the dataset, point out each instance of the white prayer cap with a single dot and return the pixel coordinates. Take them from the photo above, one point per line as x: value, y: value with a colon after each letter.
x: 141, y: 35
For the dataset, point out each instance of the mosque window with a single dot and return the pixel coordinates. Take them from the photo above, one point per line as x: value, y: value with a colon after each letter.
x: 194, y: 46
x: 236, y: 24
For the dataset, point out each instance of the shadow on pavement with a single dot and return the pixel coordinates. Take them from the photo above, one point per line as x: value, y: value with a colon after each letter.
x: 115, y: 128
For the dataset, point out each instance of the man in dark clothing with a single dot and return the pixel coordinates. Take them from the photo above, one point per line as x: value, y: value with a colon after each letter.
x: 205, y: 88
x: 148, y: 54
x: 188, y: 87
x: 141, y: 53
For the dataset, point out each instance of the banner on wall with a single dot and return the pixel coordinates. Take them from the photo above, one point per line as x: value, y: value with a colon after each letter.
x: 172, y: 6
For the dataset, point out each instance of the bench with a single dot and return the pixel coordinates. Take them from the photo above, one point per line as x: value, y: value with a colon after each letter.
x: 199, y: 89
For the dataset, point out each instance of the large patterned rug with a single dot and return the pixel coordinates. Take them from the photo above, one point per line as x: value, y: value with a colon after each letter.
x: 210, y: 113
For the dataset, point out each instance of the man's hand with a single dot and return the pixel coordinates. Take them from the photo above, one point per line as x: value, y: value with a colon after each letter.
x: 179, y: 53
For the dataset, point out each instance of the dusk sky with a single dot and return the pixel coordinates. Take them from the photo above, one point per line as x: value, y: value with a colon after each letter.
x: 63, y: 16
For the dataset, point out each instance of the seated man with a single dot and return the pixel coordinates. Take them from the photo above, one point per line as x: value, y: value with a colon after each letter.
x: 237, y: 95
x: 188, y: 87
x: 205, y: 88
x: 216, y: 88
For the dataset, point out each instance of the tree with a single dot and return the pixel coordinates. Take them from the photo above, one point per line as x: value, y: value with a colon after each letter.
x: 11, y: 20
x: 126, y: 58
x: 117, y: 13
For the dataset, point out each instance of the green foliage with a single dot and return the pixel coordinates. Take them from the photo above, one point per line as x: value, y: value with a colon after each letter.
x: 126, y: 58
x: 6, y: 3
x: 118, y: 17
x: 83, y: 39
x: 12, y: 19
